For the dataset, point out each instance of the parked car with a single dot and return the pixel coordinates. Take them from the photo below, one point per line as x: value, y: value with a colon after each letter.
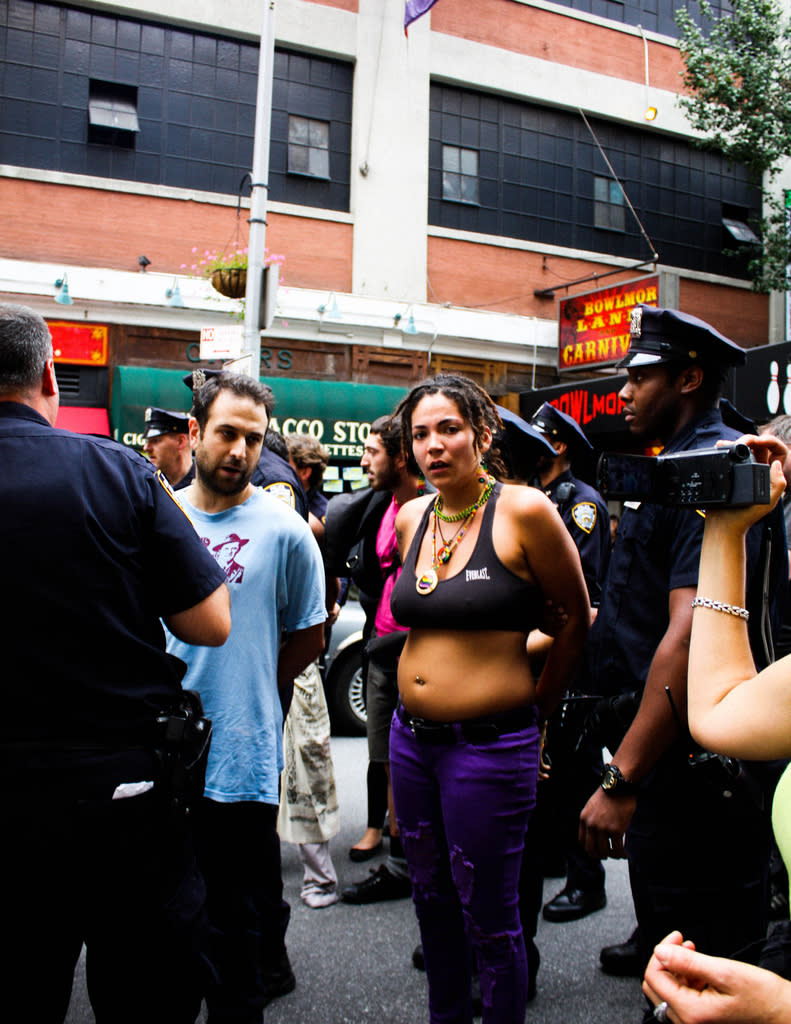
x: 343, y: 672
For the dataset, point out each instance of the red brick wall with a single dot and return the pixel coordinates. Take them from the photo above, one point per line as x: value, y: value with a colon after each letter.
x: 97, y: 228
x: 555, y: 37
x: 502, y: 280
x: 343, y: 5
x: 741, y: 315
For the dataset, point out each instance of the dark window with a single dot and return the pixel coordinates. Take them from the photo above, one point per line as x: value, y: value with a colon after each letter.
x: 542, y: 178
x: 608, y: 204
x: 460, y: 174
x: 176, y: 106
x: 653, y: 15
x: 735, y: 221
x: 308, y: 147
x: 112, y: 113
x: 311, y: 137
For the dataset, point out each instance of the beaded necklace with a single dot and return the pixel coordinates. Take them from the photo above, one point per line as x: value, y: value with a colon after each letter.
x: 442, y: 556
x: 457, y: 517
x: 427, y: 583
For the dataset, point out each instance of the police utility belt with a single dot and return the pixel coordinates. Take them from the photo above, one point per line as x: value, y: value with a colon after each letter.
x: 179, y: 739
x: 727, y: 777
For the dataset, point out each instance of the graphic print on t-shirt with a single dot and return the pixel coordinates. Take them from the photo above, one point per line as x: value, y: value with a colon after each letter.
x: 226, y: 553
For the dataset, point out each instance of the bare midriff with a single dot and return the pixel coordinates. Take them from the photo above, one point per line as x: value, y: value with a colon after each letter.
x: 449, y: 675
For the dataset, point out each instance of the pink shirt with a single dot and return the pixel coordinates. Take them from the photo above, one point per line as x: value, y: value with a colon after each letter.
x: 387, y: 553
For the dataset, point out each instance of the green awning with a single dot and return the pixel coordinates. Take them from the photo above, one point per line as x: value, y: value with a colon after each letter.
x: 337, y: 413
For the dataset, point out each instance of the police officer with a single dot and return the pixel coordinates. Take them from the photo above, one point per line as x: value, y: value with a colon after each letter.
x: 309, y: 459
x: 585, y: 514
x: 96, y: 552
x: 695, y: 838
x: 166, y: 443
x: 581, y: 506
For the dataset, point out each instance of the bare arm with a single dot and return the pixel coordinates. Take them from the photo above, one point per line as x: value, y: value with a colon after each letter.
x: 297, y: 651
x: 733, y: 710
x: 554, y: 560
x: 711, y: 990
x: 207, y: 623
x: 605, y: 818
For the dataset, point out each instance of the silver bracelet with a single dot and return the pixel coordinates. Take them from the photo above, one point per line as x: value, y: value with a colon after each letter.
x: 721, y: 606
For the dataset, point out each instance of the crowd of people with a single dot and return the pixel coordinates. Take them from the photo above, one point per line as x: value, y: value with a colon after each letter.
x: 548, y: 685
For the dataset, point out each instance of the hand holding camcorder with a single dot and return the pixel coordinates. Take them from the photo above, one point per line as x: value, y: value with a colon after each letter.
x: 722, y: 477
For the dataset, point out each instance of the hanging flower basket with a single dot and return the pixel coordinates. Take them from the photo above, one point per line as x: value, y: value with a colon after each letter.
x: 230, y: 281
x: 226, y: 270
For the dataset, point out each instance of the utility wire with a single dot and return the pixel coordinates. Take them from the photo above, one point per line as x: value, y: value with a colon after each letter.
x: 623, y: 190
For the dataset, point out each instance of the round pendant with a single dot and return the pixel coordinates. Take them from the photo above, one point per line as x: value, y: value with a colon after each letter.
x: 427, y: 582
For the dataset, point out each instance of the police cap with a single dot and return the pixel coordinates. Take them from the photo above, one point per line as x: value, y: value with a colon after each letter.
x: 195, y: 379
x: 520, y: 431
x: 556, y: 425
x: 668, y: 336
x: 163, y: 421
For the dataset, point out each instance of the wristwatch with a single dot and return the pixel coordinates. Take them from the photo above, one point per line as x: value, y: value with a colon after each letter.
x: 614, y: 782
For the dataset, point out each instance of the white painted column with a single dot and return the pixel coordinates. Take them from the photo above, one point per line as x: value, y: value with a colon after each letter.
x: 389, y: 173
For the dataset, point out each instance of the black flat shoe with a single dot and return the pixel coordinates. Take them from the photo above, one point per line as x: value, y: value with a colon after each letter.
x: 359, y: 854
x: 572, y: 904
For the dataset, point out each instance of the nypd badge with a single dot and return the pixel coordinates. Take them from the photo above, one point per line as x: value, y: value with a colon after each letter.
x: 636, y: 322
x: 584, y: 515
x: 282, y: 490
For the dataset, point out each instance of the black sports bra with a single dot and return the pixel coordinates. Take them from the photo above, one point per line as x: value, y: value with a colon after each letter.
x: 485, y: 594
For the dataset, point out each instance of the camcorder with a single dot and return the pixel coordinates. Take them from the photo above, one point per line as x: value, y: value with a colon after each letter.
x: 726, y: 477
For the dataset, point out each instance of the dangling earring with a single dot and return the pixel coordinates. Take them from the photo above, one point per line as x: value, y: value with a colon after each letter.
x: 483, y: 476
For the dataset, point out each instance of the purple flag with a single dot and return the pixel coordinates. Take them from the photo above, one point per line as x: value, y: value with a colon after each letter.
x: 413, y: 9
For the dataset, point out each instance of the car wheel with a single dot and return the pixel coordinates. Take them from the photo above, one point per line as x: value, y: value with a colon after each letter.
x: 346, y: 693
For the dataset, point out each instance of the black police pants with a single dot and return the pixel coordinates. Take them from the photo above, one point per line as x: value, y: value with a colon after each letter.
x: 79, y: 867
x: 698, y: 860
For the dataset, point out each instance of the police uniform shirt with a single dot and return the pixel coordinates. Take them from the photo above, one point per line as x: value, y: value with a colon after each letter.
x: 96, y: 550
x: 187, y: 479
x: 656, y: 550
x: 277, y: 476
x: 317, y: 503
x: 587, y: 519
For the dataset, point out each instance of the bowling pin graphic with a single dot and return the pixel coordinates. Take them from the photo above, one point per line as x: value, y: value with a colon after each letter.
x: 787, y: 390
x: 773, y: 391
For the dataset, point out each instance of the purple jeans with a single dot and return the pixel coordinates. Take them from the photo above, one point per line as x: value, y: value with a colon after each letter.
x: 462, y: 811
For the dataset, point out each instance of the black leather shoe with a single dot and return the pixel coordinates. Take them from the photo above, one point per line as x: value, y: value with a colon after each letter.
x: 379, y: 886
x: 623, y: 960
x: 572, y: 904
x: 418, y: 960
x: 279, y: 981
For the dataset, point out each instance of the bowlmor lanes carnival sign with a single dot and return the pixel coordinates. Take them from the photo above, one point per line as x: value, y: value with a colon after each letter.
x: 593, y: 328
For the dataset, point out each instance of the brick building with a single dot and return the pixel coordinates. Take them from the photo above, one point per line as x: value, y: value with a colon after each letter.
x: 434, y: 195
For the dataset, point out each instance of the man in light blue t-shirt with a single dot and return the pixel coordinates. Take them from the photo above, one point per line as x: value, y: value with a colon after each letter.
x: 274, y: 572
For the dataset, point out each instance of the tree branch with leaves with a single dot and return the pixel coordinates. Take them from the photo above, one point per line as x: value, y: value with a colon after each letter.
x: 738, y: 79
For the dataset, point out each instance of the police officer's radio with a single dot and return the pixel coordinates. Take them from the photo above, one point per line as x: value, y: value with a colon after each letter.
x: 704, y: 478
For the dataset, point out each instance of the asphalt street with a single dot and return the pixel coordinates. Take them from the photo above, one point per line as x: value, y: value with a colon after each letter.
x: 353, y: 964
